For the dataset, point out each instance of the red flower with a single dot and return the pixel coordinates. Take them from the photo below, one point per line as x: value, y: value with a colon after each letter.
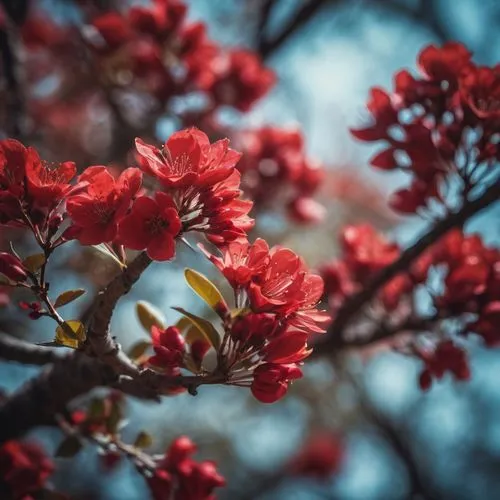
x: 24, y: 468
x: 188, y: 158
x: 96, y: 212
x: 285, y: 288
x: 291, y: 347
x: 480, y: 89
x: 444, y: 63
x: 48, y: 183
x: 177, y: 163
x: 153, y: 225
x: 270, y: 381
x: 12, y: 267
x: 241, y: 261
x: 169, y: 347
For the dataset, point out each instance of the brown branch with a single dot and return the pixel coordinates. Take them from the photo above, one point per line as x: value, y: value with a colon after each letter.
x: 13, y: 349
x: 102, y: 344
x: 39, y: 400
x: 355, y: 302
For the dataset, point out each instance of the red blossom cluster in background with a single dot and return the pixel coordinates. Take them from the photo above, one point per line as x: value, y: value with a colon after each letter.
x: 438, y: 125
x: 277, y: 173
x: 179, y: 477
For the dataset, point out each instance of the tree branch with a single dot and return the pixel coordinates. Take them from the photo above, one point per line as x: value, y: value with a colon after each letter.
x: 40, y: 399
x: 102, y: 344
x: 355, y: 302
x: 301, y: 18
x: 12, y: 349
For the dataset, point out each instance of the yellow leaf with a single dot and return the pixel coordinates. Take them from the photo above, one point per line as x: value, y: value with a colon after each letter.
x: 34, y: 262
x: 139, y: 349
x: 68, y: 296
x: 70, y: 334
x: 143, y: 440
x: 149, y: 315
x: 206, y: 290
x: 183, y: 324
x: 210, y: 333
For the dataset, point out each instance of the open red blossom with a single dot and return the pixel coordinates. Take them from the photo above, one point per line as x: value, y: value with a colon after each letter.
x: 152, y: 224
x: 270, y: 381
x: 97, y: 211
x: 176, y: 164
x: 480, y: 89
x: 168, y: 345
x: 241, y: 261
x: 48, y: 184
x: 188, y: 158
x: 284, y: 287
x: 24, y: 468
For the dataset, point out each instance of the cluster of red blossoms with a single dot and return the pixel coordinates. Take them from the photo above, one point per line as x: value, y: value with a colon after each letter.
x: 200, y: 193
x: 264, y: 337
x: 24, y: 470
x: 365, y: 252
x: 276, y: 172
x: 470, y: 297
x: 179, y: 477
x: 153, y: 49
x: 426, y: 123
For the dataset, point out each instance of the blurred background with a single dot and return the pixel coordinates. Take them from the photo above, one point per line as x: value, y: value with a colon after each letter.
x: 358, y: 413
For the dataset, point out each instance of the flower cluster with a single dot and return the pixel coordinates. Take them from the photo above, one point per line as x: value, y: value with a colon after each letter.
x: 471, y: 284
x: 155, y: 48
x: 179, y: 477
x: 31, y: 190
x: 264, y: 337
x: 275, y: 170
x: 366, y: 252
x: 24, y: 469
x: 426, y: 123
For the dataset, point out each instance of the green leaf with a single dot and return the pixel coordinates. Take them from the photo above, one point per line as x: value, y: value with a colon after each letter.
x: 139, y: 349
x: 34, y: 262
x: 68, y: 296
x: 211, y: 334
x: 143, y: 440
x: 105, y: 250
x: 193, y: 334
x: 203, y: 287
x: 69, y: 447
x: 70, y: 334
x: 149, y: 315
